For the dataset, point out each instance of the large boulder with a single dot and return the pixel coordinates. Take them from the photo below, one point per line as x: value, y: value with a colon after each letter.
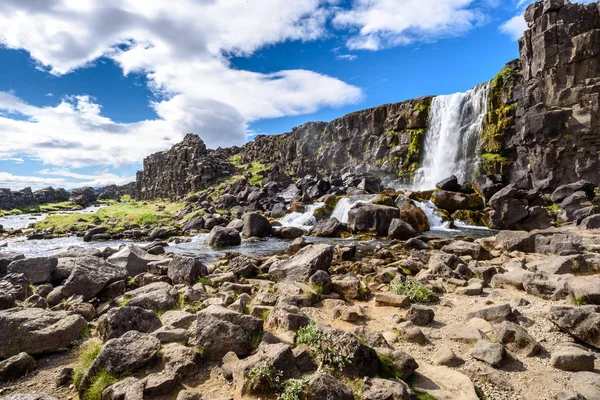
x: 133, y: 258
x: 462, y: 248
x: 487, y: 185
x: 303, y: 264
x: 372, y: 218
x: 121, y: 320
x: 16, y: 366
x: 564, y: 191
x: 401, y: 230
x: 330, y: 228
x: 325, y: 386
x: 37, y: 331
x: 414, y: 216
x: 36, y: 270
x: 453, y: 201
x: 6, y: 257
x: 582, y: 323
x: 255, y: 225
x: 591, y: 222
x: 223, y: 237
x: 186, y: 270
x: 126, y: 354
x: 90, y: 276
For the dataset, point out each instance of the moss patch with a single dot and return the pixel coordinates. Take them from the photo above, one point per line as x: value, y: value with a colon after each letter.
x: 498, y: 120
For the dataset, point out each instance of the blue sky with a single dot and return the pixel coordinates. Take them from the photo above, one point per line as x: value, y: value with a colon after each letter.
x: 88, y: 88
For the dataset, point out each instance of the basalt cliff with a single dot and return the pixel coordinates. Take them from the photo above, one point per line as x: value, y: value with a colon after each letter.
x: 541, y: 129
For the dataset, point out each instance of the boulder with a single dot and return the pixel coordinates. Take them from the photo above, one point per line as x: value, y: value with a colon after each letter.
x: 6, y: 257
x: 181, y: 360
x: 401, y: 230
x: 591, y: 222
x: 385, y: 389
x: 585, y: 288
x: 564, y: 191
x: 444, y: 383
x: 586, y: 384
x: 453, y: 201
x: 516, y: 339
x: 372, y: 218
x: 325, y: 386
x: 330, y: 228
x: 289, y: 232
x: 126, y: 354
x: 461, y: 248
x: 415, y: 217
x: 497, y: 313
x: 572, y: 357
x: 186, y: 270
x: 581, y: 322
x: 121, y: 320
x: 420, y: 315
x: 90, y: 276
x: 223, y: 237
x: 133, y: 258
x: 490, y: 353
x: 449, y: 184
x: 36, y: 270
x: 37, y: 331
x: 256, y: 225
x: 218, y: 337
x: 303, y: 264
x: 16, y: 367
x: 286, y: 317
x: 487, y: 185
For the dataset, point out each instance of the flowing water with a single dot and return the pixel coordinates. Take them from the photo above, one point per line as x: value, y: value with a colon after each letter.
x: 345, y: 204
x: 452, y: 140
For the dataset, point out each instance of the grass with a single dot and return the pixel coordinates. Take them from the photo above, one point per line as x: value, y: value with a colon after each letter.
x: 425, y: 396
x: 322, y: 348
x: 206, y: 282
x: 124, y: 302
x: 555, y: 208
x: 579, y: 301
x: 101, y: 381
x: 387, y: 367
x: 51, y: 207
x: 415, y: 291
x: 114, y: 217
x: 264, y: 375
x: 86, y: 355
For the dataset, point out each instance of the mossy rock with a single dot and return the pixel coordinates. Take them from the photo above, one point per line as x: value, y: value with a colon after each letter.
x: 297, y: 207
x: 468, y: 216
x: 322, y: 213
x: 384, y: 200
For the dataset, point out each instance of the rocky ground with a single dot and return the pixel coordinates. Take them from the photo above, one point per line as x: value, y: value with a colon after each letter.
x: 506, y: 317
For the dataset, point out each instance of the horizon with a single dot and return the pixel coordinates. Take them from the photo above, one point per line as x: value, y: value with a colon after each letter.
x: 82, y: 103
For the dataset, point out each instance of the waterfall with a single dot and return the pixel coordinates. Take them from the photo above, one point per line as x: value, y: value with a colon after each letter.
x: 345, y: 204
x: 302, y: 220
x: 436, y: 222
x: 452, y: 140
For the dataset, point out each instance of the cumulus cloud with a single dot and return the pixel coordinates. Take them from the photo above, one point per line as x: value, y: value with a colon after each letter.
x: 514, y: 27
x: 183, y: 49
x: 17, y: 182
x: 388, y: 23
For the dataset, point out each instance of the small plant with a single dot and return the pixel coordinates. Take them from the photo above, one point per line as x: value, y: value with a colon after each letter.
x: 85, y: 357
x: 131, y: 282
x: 199, y: 350
x: 323, y: 348
x: 555, y: 208
x: 358, y: 390
x: 206, y: 282
x: 181, y: 301
x: 124, y: 302
x: 264, y: 375
x: 257, y: 339
x: 265, y: 314
x: 415, y: 291
x: 293, y: 389
x: 388, y: 370
x: 425, y: 396
x: 101, y: 381
x: 579, y: 301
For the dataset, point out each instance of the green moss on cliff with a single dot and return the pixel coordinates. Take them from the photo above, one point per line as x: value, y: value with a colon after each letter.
x: 498, y: 120
x: 493, y: 163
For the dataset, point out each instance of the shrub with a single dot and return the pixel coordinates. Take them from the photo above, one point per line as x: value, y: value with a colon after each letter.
x: 264, y: 375
x: 322, y: 347
x: 415, y: 291
x: 293, y: 389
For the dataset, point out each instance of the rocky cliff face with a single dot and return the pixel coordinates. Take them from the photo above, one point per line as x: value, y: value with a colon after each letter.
x: 26, y: 197
x: 543, y: 126
x: 385, y: 139
x: 187, y: 167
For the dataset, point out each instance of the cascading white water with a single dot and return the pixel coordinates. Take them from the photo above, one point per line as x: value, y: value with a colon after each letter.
x: 301, y: 220
x: 452, y: 140
x: 344, y: 205
x: 436, y: 222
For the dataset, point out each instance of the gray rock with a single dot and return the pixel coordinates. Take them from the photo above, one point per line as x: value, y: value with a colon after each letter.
x: 90, y: 276
x: 580, y: 322
x: 445, y: 356
x: 16, y: 367
x: 462, y: 248
x: 516, y: 339
x: 586, y: 384
x: 401, y: 362
x: 420, y: 315
x: 489, y: 353
x: 401, y: 230
x: 385, y: 389
x: 286, y: 317
x: 303, y: 264
x: 133, y: 258
x: 591, y: 222
x: 186, y: 270
x: 325, y: 386
x: 183, y: 361
x: 372, y: 218
x: 255, y: 225
x: 223, y: 237
x: 36, y: 270
x: 37, y: 331
x: 572, y: 358
x: 371, y: 337
x: 331, y: 227
x: 121, y: 320
x: 497, y: 313
x: 218, y: 337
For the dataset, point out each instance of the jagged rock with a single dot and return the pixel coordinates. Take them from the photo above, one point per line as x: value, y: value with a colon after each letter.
x: 385, y: 389
x: 325, y: 386
x: 129, y: 388
x: 399, y: 361
x: 564, y: 191
x: 36, y: 270
x: 223, y: 237
x: 572, y: 357
x: 37, y: 331
x: 186, y: 270
x: 372, y: 218
x: 121, y: 320
x: 303, y: 264
x: 275, y: 357
x: 490, y: 353
x: 516, y: 339
x: 462, y: 248
x: 320, y: 281
x: 330, y: 228
x: 420, y: 315
x: 128, y: 353
x: 591, y: 222
x: 401, y: 230
x: 183, y: 361
x: 347, y: 286
x: 286, y: 318
x: 415, y: 217
x: 90, y: 276
x: 497, y: 313
x: 452, y: 201
x: 255, y: 225
x: 133, y: 258
x: 6, y: 257
x: 580, y: 322
x: 16, y: 366
x: 156, y: 300
x: 487, y: 185
x: 586, y: 288
x: 371, y: 337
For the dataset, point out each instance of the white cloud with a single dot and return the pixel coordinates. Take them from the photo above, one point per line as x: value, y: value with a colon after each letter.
x: 17, y: 182
x: 389, y: 23
x: 514, y: 27
x: 348, y: 57
x: 183, y: 48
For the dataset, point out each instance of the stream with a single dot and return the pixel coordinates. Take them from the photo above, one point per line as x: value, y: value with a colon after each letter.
x: 196, y: 247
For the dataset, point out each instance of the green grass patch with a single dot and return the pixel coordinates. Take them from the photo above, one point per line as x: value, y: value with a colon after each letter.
x: 101, y: 381
x: 555, y: 208
x: 579, y: 301
x: 86, y: 355
x: 387, y: 367
x: 415, y: 291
